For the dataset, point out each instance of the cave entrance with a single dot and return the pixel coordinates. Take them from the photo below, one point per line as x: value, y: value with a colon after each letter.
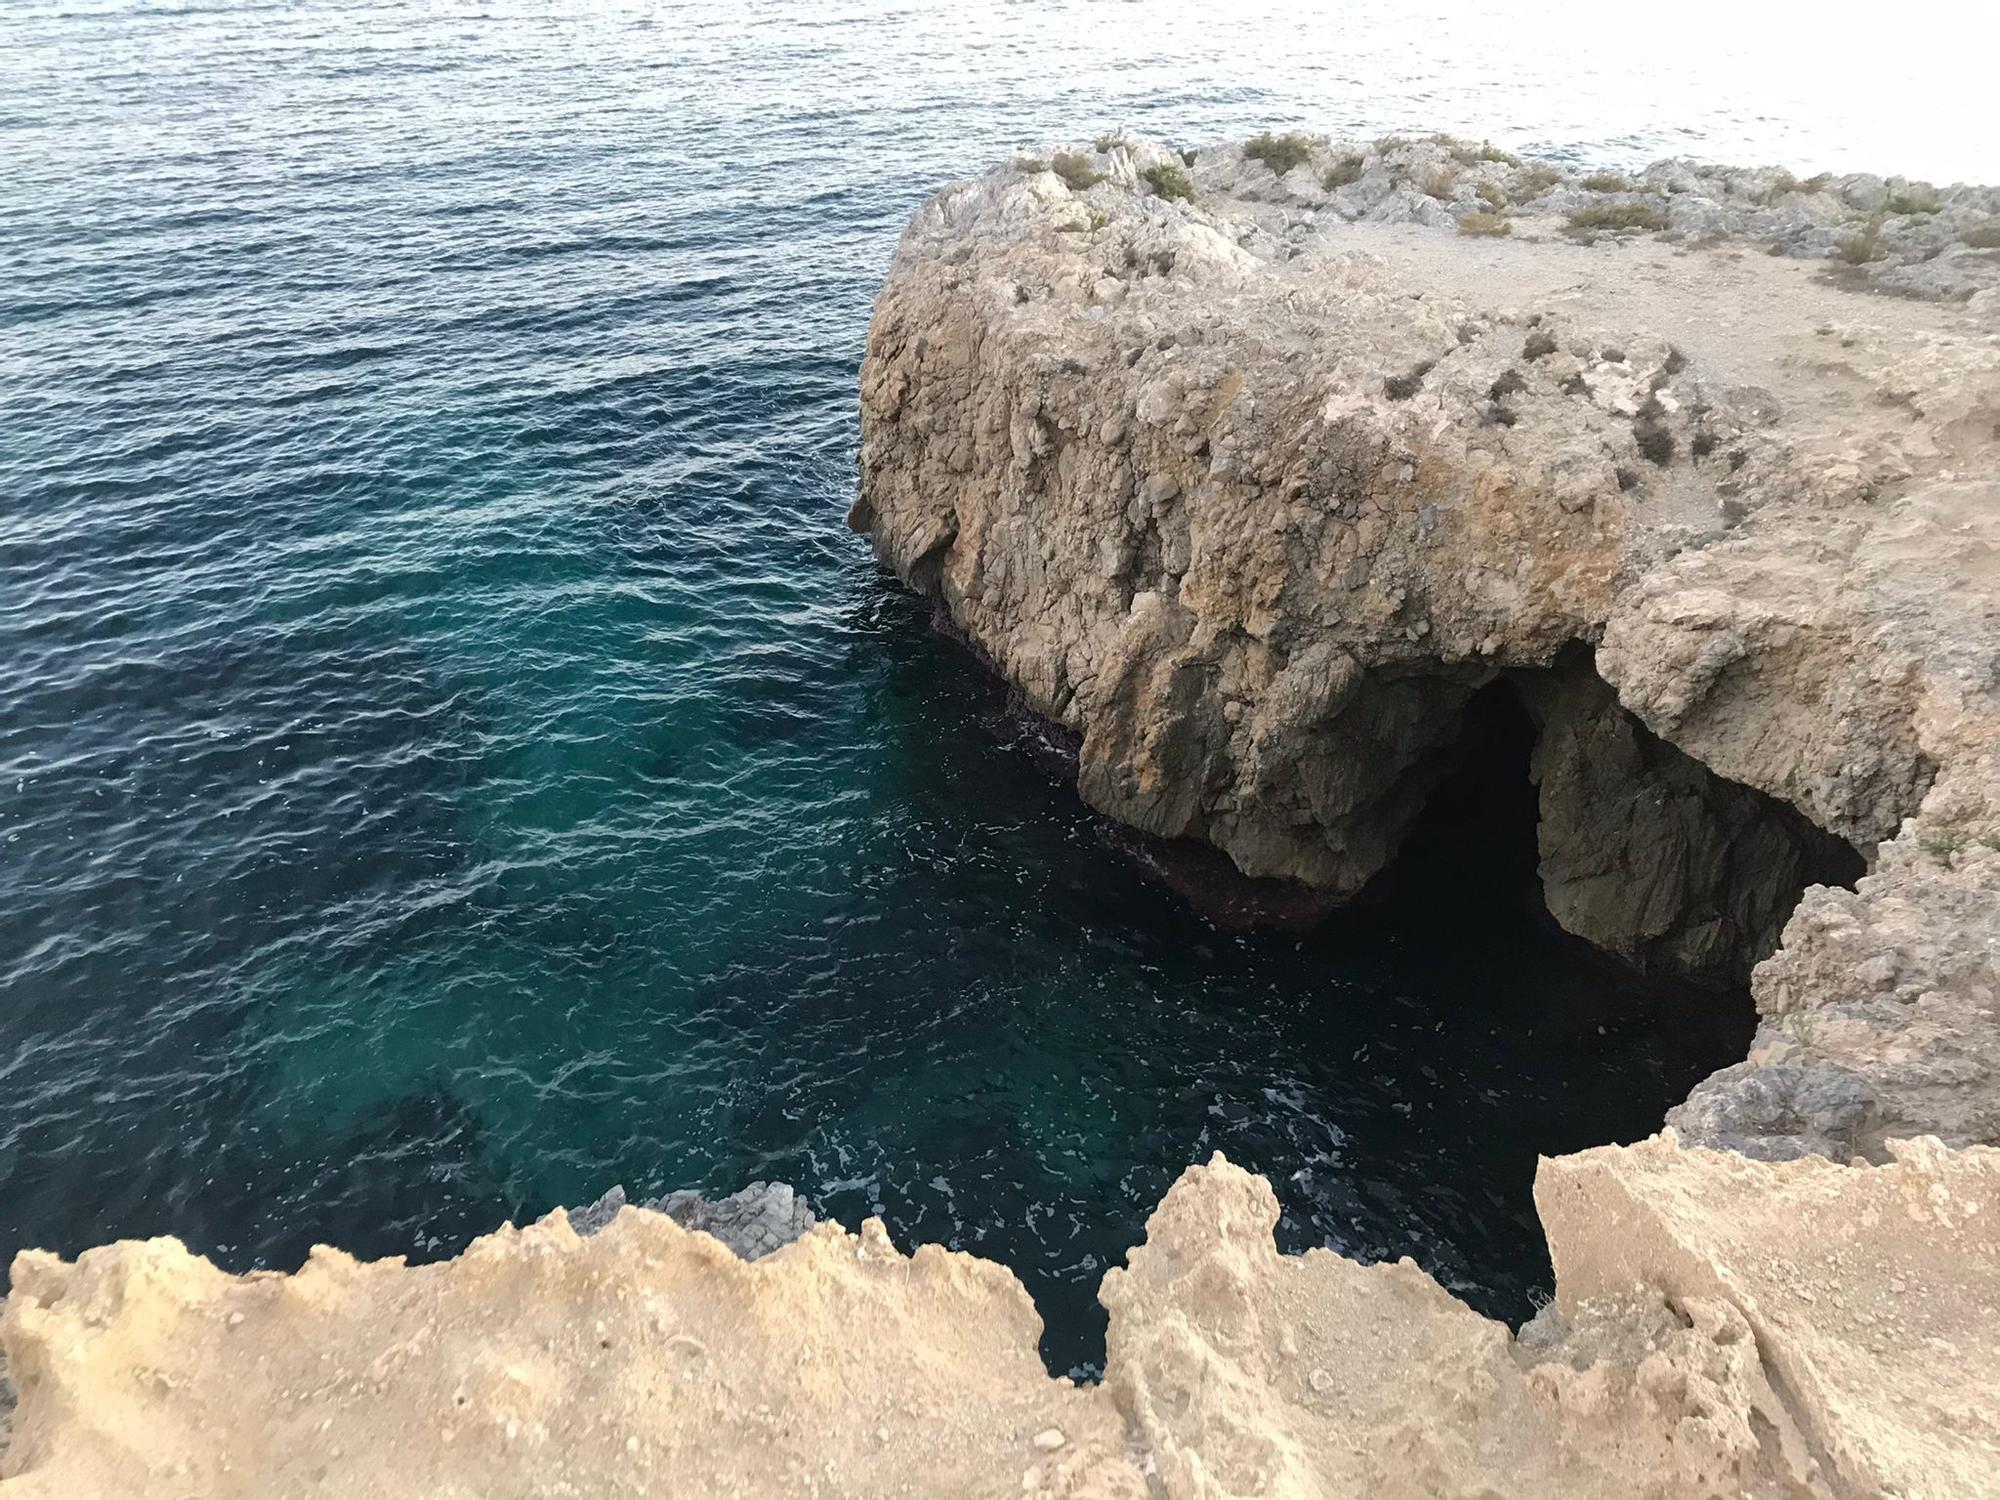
x: 1554, y: 801
x: 1474, y: 843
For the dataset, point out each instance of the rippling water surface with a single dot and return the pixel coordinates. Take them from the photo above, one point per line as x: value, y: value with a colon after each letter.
x: 452, y: 757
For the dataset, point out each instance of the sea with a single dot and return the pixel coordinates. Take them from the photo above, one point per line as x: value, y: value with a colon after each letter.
x: 454, y: 758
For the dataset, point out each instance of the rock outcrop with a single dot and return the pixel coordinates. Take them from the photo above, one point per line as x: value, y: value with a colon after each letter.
x: 1722, y: 1327
x: 1251, y: 490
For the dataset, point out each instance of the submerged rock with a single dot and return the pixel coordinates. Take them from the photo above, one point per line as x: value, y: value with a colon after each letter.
x: 1251, y: 494
x: 753, y: 1221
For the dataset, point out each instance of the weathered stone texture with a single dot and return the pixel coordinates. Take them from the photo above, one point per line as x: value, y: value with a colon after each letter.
x: 1252, y: 494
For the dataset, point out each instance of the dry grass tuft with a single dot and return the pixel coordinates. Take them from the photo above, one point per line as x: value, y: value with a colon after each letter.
x: 1467, y: 155
x: 1535, y: 181
x: 1614, y: 217
x: 1347, y: 169
x: 1490, y: 225
x: 1440, y: 183
x: 1863, y: 246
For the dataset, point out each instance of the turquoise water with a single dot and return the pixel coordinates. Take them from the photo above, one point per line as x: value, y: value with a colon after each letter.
x: 453, y: 758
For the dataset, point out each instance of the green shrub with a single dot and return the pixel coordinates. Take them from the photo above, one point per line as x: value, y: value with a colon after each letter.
x: 1279, y: 152
x: 1345, y: 170
x: 1170, y: 181
x: 1604, y: 182
x: 1912, y: 203
x: 1536, y: 180
x: 1492, y: 195
x: 1491, y: 225
x: 1942, y: 844
x: 1611, y: 217
x: 1074, y: 168
x: 1106, y: 142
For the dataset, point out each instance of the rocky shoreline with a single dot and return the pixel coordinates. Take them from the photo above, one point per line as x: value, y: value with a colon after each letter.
x: 1249, y: 469
x: 1721, y: 1328
x: 1250, y: 479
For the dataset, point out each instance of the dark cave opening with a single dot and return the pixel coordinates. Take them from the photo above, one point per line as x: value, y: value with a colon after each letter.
x: 1555, y: 804
x: 1475, y: 839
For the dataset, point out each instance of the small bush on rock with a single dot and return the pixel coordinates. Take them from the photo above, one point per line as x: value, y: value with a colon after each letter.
x: 1440, y: 184
x: 1279, y: 152
x: 1074, y: 168
x: 1492, y: 195
x: 1942, y: 844
x: 1107, y: 141
x: 1613, y: 217
x: 1604, y: 182
x: 1344, y: 171
x: 1863, y: 246
x: 1536, y: 180
x: 1912, y: 203
x: 1170, y: 181
x: 1468, y: 155
x: 1490, y: 225
x: 1985, y: 237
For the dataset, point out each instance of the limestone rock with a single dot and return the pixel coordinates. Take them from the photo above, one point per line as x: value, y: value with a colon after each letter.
x: 1256, y: 528
x: 1721, y: 1328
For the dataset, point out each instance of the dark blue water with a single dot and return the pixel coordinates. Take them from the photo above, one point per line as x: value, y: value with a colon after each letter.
x: 453, y: 758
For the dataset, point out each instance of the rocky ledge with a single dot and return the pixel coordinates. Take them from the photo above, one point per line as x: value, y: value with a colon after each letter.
x: 1721, y: 1327
x: 1252, y: 472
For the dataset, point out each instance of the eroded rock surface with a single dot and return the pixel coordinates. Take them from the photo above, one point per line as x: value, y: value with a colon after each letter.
x: 1251, y: 493
x: 1722, y: 1328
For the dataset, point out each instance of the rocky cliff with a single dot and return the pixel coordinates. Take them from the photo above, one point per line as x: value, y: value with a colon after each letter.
x: 1251, y: 473
x: 1251, y: 478
x: 1722, y: 1327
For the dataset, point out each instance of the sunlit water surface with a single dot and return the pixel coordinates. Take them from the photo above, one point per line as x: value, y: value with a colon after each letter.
x: 453, y: 758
